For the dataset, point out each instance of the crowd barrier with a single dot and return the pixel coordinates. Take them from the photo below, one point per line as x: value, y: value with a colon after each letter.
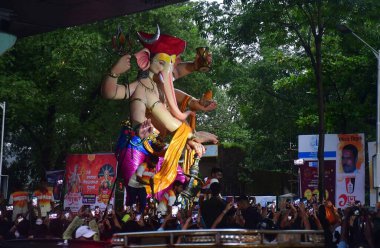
x: 220, y: 238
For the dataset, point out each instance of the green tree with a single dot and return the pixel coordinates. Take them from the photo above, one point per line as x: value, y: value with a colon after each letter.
x: 252, y: 31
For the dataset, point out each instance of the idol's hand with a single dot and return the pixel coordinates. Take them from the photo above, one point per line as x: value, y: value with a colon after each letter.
x: 122, y: 65
x: 198, y: 60
x: 145, y: 129
x: 197, y: 147
x: 203, y: 137
x: 207, y: 105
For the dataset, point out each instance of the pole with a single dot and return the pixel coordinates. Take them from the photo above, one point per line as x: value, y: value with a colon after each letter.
x: 2, y: 105
x: 378, y: 121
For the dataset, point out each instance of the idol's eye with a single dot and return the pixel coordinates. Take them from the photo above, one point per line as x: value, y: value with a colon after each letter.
x: 162, y: 62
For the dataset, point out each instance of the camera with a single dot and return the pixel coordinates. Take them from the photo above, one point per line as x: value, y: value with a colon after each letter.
x: 34, y: 201
x: 97, y: 210
x: 194, y: 216
x: 67, y: 215
x: 109, y: 209
x: 311, y: 211
x: 53, y: 216
x: 174, y: 211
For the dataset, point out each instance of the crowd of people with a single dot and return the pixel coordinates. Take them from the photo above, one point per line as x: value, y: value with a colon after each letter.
x: 355, y: 226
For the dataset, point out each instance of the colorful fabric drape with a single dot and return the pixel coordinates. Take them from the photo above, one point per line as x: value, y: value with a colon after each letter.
x: 168, y: 171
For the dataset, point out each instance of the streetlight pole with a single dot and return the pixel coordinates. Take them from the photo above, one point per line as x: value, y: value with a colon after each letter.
x: 2, y: 105
x: 346, y: 30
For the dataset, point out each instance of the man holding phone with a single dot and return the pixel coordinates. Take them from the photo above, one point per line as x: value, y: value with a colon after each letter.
x: 45, y: 197
x: 170, y: 198
x: 138, y: 181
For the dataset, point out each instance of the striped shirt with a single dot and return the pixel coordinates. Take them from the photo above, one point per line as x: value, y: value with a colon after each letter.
x: 19, y: 201
x: 143, y: 171
x: 167, y: 200
x: 44, y: 200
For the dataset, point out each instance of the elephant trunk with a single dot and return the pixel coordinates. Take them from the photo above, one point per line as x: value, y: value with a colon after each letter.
x: 167, y: 80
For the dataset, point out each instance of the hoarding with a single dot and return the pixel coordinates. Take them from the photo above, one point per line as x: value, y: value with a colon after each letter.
x: 89, y: 179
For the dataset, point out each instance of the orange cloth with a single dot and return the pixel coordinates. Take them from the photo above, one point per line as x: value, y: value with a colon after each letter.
x: 189, y: 155
x: 168, y: 171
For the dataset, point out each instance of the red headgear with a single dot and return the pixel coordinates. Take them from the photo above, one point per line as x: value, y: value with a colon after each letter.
x: 165, y: 44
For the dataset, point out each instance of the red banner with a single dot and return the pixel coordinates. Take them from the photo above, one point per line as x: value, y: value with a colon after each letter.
x: 309, y: 179
x: 89, y: 179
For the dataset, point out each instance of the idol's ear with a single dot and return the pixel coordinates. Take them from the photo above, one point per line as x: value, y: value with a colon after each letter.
x: 143, y: 59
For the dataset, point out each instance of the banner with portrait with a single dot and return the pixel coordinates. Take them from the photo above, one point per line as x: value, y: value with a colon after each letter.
x: 347, y: 153
x: 89, y: 179
x: 350, y: 169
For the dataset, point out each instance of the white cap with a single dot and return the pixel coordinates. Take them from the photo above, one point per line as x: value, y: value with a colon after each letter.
x: 39, y: 221
x: 84, y: 231
x: 214, y: 180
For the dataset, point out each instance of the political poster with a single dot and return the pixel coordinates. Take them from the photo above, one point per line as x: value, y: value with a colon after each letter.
x: 350, y: 169
x: 88, y: 180
x: 347, y: 152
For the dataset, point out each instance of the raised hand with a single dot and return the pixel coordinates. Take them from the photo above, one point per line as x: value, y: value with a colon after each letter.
x: 122, y: 65
x: 197, y: 147
x: 146, y: 128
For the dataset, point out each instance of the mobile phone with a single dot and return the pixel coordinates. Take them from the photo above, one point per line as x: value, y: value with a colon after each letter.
x: 86, y: 209
x: 93, y: 212
x: 9, y: 208
x: 174, y: 211
x: 138, y: 217
x: 134, y: 207
x: 159, y: 215
x: 97, y: 210
x: 1, y: 212
x: 53, y: 216
x: 146, y: 217
x: 229, y: 199
x: 109, y: 209
x: 19, y: 219
x: 194, y: 216
x: 311, y: 211
x: 34, y: 201
x: 67, y: 215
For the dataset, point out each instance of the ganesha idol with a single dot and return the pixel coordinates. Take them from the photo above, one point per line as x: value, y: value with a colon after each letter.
x: 154, y: 110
